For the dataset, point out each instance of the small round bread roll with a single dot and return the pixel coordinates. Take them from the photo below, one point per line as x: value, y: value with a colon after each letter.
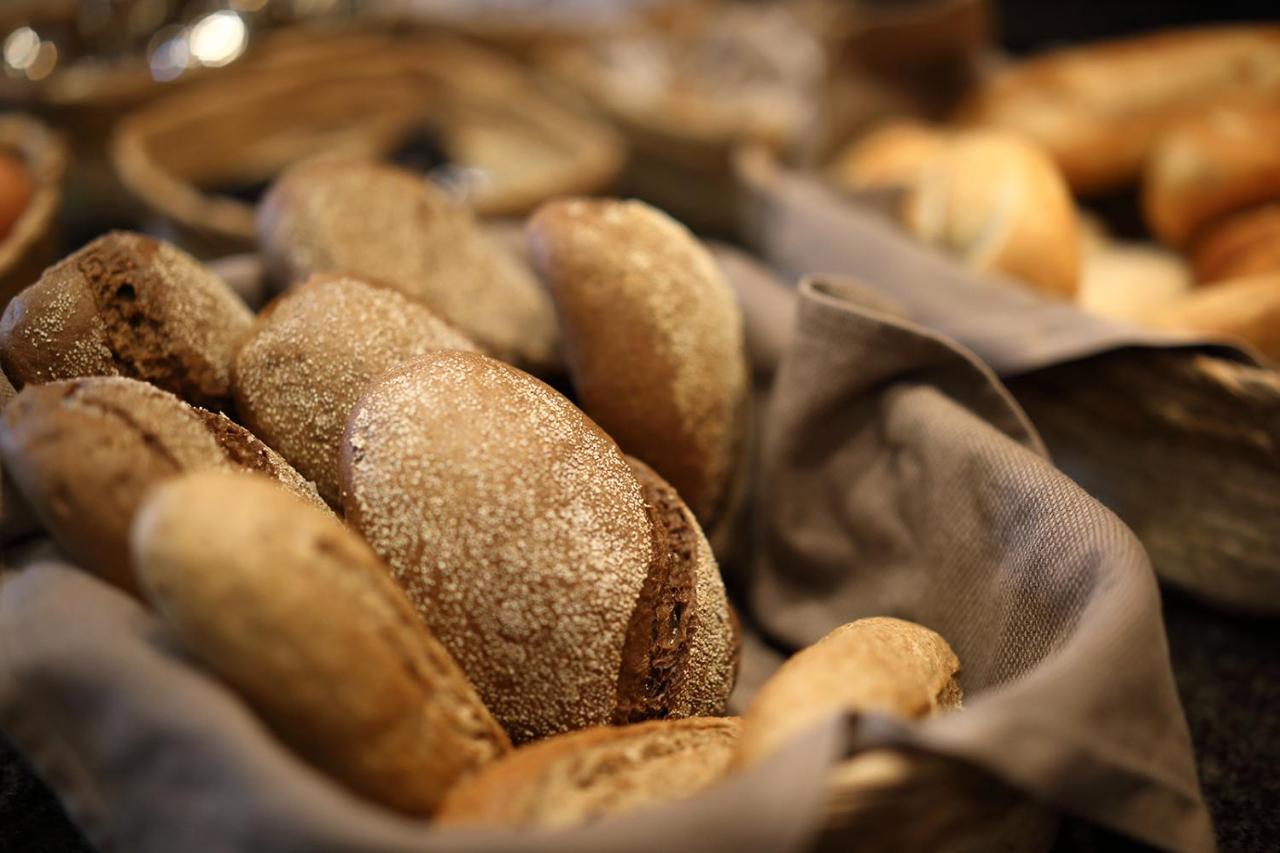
x: 1239, y: 245
x: 85, y: 451
x: 584, y: 776
x: 127, y: 305
x: 390, y: 225
x: 999, y: 202
x: 893, y: 155
x: 311, y: 354
x: 295, y: 612
x: 1245, y: 308
x: 653, y: 339
x: 1127, y: 281
x: 884, y: 665
x: 526, y: 544
x: 1207, y: 166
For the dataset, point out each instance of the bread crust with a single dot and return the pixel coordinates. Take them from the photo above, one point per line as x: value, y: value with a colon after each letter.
x: 1239, y: 245
x: 127, y: 305
x: 894, y: 154
x: 1245, y: 308
x: 295, y: 612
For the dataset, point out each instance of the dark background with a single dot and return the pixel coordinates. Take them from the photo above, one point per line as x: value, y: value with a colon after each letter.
x: 1227, y: 668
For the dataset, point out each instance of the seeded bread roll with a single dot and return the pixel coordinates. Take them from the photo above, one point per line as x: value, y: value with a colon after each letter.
x: 584, y: 776
x: 389, y: 225
x: 85, y: 451
x: 653, y: 339
x: 892, y: 155
x: 997, y: 201
x: 884, y: 665
x: 526, y: 544
x: 1245, y: 308
x: 295, y: 612
x: 311, y: 354
x: 1240, y: 245
x: 127, y: 305
x: 1207, y: 166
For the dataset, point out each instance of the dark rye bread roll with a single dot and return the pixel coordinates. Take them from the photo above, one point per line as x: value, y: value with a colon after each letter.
x: 85, y: 451
x: 294, y: 611
x: 390, y: 225
x: 653, y: 339
x: 584, y: 776
x: 880, y: 664
x: 526, y: 544
x: 127, y: 305
x: 310, y: 355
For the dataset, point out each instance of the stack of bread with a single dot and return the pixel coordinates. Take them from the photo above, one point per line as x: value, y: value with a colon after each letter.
x: 1181, y: 117
x: 433, y: 575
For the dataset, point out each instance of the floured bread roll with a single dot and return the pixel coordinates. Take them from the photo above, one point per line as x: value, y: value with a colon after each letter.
x: 653, y: 338
x: 389, y: 225
x: 571, y: 594
x: 584, y: 776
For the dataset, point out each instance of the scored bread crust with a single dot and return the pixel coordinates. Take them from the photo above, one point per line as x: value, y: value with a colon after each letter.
x: 127, y: 305
x: 591, y: 774
x: 313, y: 351
x: 298, y: 615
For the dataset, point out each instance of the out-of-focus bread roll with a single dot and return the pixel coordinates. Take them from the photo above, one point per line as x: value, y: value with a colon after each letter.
x: 1245, y: 308
x: 1127, y: 281
x: 892, y: 155
x: 1240, y: 245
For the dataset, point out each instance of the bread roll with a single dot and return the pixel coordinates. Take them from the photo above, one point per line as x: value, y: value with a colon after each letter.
x: 526, y: 544
x: 1244, y: 308
x: 893, y: 155
x: 882, y: 665
x: 127, y: 305
x: 389, y: 225
x: 1098, y: 109
x: 587, y: 775
x: 295, y: 612
x: 997, y: 201
x: 16, y: 520
x: 1239, y: 245
x: 653, y: 338
x: 85, y: 451
x: 1127, y: 281
x: 311, y: 354
x: 1208, y: 166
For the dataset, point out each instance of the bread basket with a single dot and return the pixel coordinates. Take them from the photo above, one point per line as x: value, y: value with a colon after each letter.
x: 32, y: 244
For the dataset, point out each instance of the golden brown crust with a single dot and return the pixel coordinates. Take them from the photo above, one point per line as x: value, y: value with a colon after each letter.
x: 1127, y: 281
x: 388, y: 225
x: 588, y: 775
x: 1208, y: 166
x: 127, y: 305
x: 880, y: 664
x: 1244, y: 308
x: 313, y: 352
x: 1099, y: 108
x: 85, y: 451
x: 653, y: 338
x: 284, y: 602
x: 893, y: 155
x: 997, y: 200
x: 1240, y: 245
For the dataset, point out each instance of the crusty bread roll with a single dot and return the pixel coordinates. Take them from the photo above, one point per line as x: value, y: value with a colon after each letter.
x: 584, y: 776
x: 311, y: 354
x: 295, y: 612
x: 526, y: 544
x: 127, y: 305
x: 85, y: 451
x: 1210, y: 165
x: 883, y: 665
x: 1245, y: 308
x: 1127, y: 281
x: 893, y: 155
x: 653, y: 338
x: 997, y: 201
x: 388, y: 225
x: 1239, y: 245
x: 1099, y: 108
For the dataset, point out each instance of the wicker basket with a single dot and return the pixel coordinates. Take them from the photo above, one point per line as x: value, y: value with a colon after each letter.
x: 32, y: 244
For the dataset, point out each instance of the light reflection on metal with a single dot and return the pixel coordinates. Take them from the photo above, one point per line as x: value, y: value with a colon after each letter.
x: 218, y: 39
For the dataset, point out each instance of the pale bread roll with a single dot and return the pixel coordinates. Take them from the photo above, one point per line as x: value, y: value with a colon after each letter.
x: 883, y: 665
x: 1244, y: 308
x: 588, y: 775
x: 1127, y: 281
x: 310, y: 355
x: 895, y: 154
x: 998, y: 202
x: 84, y: 452
x: 294, y: 611
x: 528, y: 546
x: 653, y: 339
x: 390, y: 225
x: 127, y: 305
